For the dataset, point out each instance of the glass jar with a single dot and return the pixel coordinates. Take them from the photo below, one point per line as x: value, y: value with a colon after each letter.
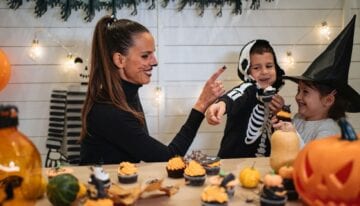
x: 21, y: 181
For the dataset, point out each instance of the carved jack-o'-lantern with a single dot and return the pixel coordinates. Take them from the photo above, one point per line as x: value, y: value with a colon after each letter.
x: 327, y: 171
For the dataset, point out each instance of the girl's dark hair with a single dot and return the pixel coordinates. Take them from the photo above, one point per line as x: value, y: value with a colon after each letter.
x: 111, y: 35
x: 337, y: 110
x: 260, y: 47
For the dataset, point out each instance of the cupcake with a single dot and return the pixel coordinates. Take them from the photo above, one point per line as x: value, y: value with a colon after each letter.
x: 214, y: 196
x: 99, y: 183
x: 194, y: 174
x: 175, y: 167
x: 284, y: 114
x: 101, y: 175
x: 228, y: 182
x: 54, y: 171
x: 290, y: 189
x: 127, y: 173
x: 286, y: 172
x: 211, y: 165
x: 273, y: 193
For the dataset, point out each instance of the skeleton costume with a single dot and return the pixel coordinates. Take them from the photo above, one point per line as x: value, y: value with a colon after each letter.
x: 248, y: 127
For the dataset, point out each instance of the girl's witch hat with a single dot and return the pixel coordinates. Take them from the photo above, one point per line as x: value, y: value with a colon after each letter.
x: 331, y: 67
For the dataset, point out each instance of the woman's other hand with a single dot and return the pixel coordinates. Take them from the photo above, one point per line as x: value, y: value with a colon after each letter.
x: 212, y: 90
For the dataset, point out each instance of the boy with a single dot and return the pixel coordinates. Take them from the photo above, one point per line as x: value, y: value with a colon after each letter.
x: 250, y: 105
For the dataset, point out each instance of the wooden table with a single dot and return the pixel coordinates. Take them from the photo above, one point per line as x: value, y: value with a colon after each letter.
x: 187, y: 195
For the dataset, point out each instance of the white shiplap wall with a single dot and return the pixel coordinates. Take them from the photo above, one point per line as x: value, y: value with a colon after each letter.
x: 189, y: 49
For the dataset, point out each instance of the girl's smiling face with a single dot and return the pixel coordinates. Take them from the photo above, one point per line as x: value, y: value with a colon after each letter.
x: 262, y: 69
x: 311, y: 105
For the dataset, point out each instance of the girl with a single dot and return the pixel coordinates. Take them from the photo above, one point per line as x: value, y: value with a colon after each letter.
x: 323, y: 94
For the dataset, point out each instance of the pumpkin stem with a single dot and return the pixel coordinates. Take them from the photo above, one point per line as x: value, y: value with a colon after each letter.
x: 253, y: 165
x: 347, y: 131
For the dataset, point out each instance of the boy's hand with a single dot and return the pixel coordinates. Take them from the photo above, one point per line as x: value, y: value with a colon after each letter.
x: 215, y: 112
x: 277, y: 102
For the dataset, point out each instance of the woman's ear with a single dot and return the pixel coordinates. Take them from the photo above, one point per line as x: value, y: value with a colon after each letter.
x: 119, y: 60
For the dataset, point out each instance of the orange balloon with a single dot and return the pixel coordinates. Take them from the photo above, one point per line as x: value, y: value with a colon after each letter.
x: 4, y: 70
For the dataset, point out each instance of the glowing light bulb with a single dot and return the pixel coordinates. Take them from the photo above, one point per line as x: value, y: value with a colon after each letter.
x: 289, y: 58
x: 158, y: 94
x: 325, y: 30
x: 35, y: 50
x: 69, y: 62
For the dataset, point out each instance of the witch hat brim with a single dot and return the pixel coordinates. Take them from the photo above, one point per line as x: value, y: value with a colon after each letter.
x: 331, y: 67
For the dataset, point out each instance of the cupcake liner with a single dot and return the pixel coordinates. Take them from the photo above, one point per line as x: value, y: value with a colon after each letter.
x: 127, y: 179
x: 194, y: 180
x: 212, y: 170
x: 268, y: 202
x: 179, y: 173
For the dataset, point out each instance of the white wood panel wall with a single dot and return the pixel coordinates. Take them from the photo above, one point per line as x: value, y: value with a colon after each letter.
x: 189, y: 49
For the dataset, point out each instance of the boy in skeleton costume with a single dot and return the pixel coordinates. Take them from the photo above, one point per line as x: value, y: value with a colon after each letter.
x: 250, y: 105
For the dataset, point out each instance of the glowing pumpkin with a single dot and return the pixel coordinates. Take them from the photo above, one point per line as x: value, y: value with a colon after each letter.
x: 327, y: 171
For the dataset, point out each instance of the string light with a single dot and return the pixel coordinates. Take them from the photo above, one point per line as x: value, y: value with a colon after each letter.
x: 35, y: 50
x: 69, y: 62
x: 158, y: 94
x: 289, y: 59
x: 325, y: 30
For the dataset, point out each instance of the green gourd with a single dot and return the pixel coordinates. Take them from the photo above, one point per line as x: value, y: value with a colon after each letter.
x: 62, y: 189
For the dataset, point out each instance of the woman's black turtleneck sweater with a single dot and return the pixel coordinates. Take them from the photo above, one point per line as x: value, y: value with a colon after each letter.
x: 115, y: 135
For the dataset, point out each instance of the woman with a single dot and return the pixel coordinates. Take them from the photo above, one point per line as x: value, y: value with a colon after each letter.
x: 113, y: 124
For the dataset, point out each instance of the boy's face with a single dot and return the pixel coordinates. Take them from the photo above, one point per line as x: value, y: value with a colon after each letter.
x: 311, y: 105
x: 262, y: 69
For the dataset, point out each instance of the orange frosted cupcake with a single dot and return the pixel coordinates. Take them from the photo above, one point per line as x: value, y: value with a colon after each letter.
x: 284, y: 114
x: 194, y: 174
x: 211, y: 165
x: 214, y: 195
x: 127, y: 173
x: 175, y: 167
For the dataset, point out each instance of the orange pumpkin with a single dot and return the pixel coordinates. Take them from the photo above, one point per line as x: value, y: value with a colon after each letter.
x: 4, y: 70
x: 327, y: 171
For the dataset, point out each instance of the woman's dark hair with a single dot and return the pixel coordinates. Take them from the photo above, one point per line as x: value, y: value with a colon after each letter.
x: 111, y: 35
x: 337, y: 110
x: 260, y: 47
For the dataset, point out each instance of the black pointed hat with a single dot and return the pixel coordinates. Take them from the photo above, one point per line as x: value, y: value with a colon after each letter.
x: 331, y: 67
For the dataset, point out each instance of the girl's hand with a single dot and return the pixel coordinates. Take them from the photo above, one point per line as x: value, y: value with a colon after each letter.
x: 284, y: 126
